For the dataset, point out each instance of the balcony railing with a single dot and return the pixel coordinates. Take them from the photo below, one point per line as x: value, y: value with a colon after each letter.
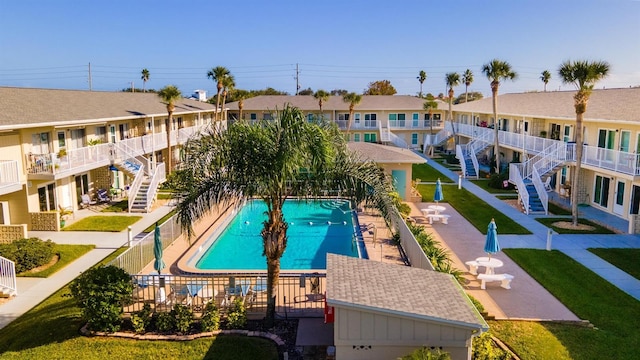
x: 9, y: 175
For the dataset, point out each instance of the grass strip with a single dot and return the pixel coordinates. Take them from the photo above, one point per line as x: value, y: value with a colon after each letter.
x: 484, y: 185
x: 597, y: 228
x: 50, y: 330
x: 160, y: 221
x: 624, y: 259
x: 66, y: 253
x: 588, y: 296
x: 427, y: 173
x: 115, y: 223
x: 558, y: 210
x: 121, y: 206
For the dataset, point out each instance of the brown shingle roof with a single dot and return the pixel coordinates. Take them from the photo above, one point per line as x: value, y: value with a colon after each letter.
x: 609, y: 104
x: 309, y: 103
x: 30, y: 107
x: 397, y: 289
x: 385, y: 154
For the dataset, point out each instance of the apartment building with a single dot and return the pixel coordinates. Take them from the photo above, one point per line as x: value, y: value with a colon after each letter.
x: 58, y: 147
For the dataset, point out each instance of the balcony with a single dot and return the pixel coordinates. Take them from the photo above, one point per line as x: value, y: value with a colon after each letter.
x: 419, y: 125
x: 9, y: 177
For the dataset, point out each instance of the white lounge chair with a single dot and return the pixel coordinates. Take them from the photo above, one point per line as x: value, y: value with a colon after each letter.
x: 547, y: 184
x: 86, y: 201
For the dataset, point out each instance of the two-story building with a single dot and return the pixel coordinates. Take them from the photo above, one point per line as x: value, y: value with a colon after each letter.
x: 58, y: 145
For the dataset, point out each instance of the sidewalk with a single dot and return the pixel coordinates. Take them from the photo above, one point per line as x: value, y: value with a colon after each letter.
x: 32, y: 291
x: 574, y: 246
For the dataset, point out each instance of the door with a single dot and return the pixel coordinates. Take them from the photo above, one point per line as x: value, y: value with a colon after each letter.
x: 606, y: 140
x: 618, y: 205
x: 400, y: 182
x: 77, y: 139
x: 82, y: 187
x: 601, y: 191
x: 47, y: 198
x: 625, y: 140
x: 635, y: 200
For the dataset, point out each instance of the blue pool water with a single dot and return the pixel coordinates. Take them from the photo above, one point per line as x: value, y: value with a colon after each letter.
x: 315, y: 229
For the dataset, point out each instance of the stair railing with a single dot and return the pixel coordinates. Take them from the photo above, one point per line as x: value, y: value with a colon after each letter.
x: 460, y: 156
x: 397, y: 141
x: 8, y: 275
x: 159, y: 176
x: 542, y: 192
x: 135, y: 186
x: 122, y: 153
x: 515, y: 177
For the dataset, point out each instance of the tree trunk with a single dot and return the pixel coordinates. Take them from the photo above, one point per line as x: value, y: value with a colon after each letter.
x: 580, y: 106
x: 349, y: 122
x: 218, y: 99
x: 496, y: 142
x: 169, y: 119
x: 273, y: 273
x: 456, y: 140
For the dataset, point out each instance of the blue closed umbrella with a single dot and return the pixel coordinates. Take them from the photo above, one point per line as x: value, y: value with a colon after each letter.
x: 491, y: 245
x: 157, y: 250
x: 438, y: 196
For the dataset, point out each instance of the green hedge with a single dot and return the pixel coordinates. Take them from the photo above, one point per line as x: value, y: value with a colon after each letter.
x: 28, y: 253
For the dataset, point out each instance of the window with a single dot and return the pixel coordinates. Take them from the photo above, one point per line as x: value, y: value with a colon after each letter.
x: 356, y: 118
x: 124, y: 131
x: 567, y: 133
x: 112, y: 133
x: 101, y: 132
x: 40, y: 143
x: 397, y: 120
x: 46, y: 197
x: 356, y: 137
x: 253, y: 116
x: 414, y: 139
x: 416, y: 119
x: 370, y: 120
x: 601, y: 192
x: 555, y: 132
x: 343, y: 117
x: 393, y: 119
x: 61, y: 141
x: 310, y: 117
x: 267, y: 116
x: 370, y: 137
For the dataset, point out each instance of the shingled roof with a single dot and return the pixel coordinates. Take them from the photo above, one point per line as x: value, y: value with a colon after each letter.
x: 309, y: 103
x: 385, y: 154
x: 607, y: 105
x: 36, y: 107
x: 399, y: 290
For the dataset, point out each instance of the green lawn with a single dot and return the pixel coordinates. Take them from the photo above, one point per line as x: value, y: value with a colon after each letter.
x: 484, y: 184
x: 558, y: 210
x: 67, y: 253
x: 624, y: 259
x: 120, y: 206
x: 50, y: 331
x: 598, y: 229
x: 426, y: 173
x: 160, y: 221
x: 613, y: 313
x: 103, y: 223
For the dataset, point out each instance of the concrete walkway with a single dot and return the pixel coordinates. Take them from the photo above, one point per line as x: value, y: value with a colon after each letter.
x: 572, y: 245
x: 32, y: 291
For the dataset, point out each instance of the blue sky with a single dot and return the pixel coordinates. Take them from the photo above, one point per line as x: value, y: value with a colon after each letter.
x: 337, y: 44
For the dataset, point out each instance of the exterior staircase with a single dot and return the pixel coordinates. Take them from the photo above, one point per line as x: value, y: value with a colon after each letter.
x: 141, y: 199
x: 8, y: 285
x: 385, y: 134
x: 535, y: 204
x: 436, y: 139
x: 469, y: 168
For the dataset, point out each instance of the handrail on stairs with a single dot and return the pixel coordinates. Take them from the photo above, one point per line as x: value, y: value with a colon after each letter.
x: 159, y: 176
x: 515, y: 177
x: 460, y: 156
x: 8, y: 275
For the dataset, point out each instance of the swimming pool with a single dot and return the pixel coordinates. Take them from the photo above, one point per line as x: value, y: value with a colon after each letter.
x: 315, y: 229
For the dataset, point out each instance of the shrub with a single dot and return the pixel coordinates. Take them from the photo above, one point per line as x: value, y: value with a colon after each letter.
x: 483, y: 349
x: 210, y: 318
x: 101, y: 292
x: 496, y: 181
x: 141, y: 319
x: 426, y: 353
x: 183, y: 317
x: 28, y: 253
x: 237, y: 317
x: 165, y: 322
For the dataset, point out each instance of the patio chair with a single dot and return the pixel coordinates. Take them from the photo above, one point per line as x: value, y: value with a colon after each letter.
x: 547, y: 184
x: 103, y: 196
x: 86, y: 201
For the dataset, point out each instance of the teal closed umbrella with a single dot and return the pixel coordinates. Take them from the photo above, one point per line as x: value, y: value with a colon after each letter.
x: 438, y: 195
x: 157, y: 250
x: 491, y: 245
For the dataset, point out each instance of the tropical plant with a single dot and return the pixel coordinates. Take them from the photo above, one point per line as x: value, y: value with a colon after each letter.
x: 228, y: 83
x: 467, y: 79
x: 276, y: 160
x: 496, y: 71
x: 237, y: 317
x: 183, y: 318
x: 427, y: 353
x: 322, y: 96
x: 144, y: 78
x: 380, y: 87
x: 545, y: 76
x: 353, y: 100
x: 210, y: 320
x: 452, y: 80
x: 101, y: 292
x: 422, y: 76
x: 140, y: 320
x: 169, y: 94
x: 165, y: 322
x: 583, y: 75
x: 217, y: 74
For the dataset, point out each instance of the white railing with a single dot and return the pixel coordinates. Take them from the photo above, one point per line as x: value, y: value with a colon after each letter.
x: 460, y: 156
x: 397, y: 141
x: 439, y: 137
x: 80, y: 159
x: 619, y: 161
x: 9, y: 174
x: 159, y: 176
x: 542, y: 192
x: 515, y: 177
x: 416, y: 256
x: 8, y: 276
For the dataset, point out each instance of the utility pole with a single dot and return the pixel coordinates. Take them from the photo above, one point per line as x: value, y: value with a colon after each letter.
x: 297, y: 77
x: 89, y: 76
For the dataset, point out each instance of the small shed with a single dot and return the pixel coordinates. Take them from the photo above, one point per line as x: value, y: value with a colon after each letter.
x: 386, y: 311
x: 394, y: 160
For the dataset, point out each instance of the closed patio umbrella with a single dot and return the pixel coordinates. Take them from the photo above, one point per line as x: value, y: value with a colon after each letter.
x: 157, y: 250
x: 438, y: 196
x: 491, y: 245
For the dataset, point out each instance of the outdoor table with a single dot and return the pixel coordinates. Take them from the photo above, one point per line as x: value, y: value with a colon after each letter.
x: 437, y: 208
x: 489, y: 263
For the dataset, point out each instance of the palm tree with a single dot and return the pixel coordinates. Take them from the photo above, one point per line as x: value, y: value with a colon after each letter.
x: 497, y: 70
x: 422, y: 76
x: 169, y: 95
x: 353, y: 100
x: 429, y: 106
x: 322, y: 96
x: 274, y: 161
x: 545, y: 76
x: 145, y: 78
x: 228, y: 83
x: 467, y: 79
x: 217, y: 74
x: 452, y: 80
x: 584, y: 75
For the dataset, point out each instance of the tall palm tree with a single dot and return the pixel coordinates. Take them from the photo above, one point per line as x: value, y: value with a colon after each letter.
x: 584, y: 75
x: 467, y: 79
x: 422, y: 76
x: 322, y: 97
x: 145, y: 78
x: 228, y: 83
x: 282, y: 159
x: 497, y: 70
x: 545, y: 76
x: 217, y: 74
x: 169, y: 95
x: 353, y: 100
x: 429, y: 106
x: 452, y: 80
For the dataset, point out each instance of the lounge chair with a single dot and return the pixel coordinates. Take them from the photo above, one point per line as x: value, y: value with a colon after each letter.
x: 547, y: 184
x: 86, y: 201
x: 103, y: 196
